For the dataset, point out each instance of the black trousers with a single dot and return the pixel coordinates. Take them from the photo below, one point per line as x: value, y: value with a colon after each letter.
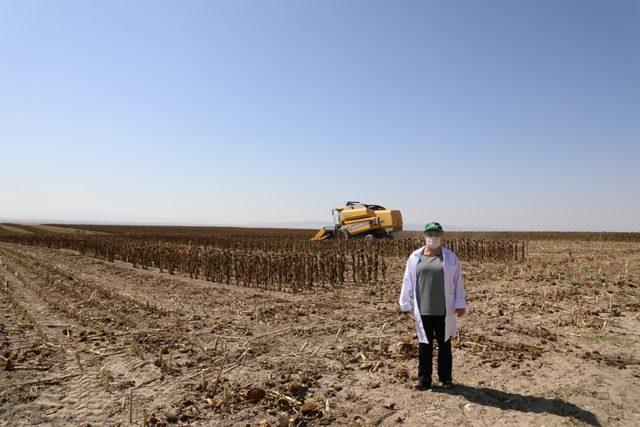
x: 434, y: 326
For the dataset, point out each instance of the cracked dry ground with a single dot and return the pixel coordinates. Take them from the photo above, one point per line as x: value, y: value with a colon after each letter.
x: 550, y: 341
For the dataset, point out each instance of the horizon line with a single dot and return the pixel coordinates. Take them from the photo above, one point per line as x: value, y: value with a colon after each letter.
x: 296, y: 225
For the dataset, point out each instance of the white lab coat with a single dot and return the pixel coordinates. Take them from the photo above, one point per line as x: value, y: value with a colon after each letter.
x: 453, y: 291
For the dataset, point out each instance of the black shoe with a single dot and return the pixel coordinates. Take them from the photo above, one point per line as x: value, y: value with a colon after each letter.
x: 447, y: 384
x: 421, y: 386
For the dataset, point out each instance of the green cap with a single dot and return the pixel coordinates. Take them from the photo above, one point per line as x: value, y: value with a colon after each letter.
x: 433, y: 226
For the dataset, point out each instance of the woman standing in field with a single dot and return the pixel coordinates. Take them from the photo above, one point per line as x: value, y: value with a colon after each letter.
x: 433, y: 289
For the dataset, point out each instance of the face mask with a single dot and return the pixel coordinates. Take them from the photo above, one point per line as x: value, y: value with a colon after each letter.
x: 433, y: 241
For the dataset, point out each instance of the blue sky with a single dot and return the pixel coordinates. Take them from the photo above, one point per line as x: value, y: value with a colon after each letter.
x: 497, y: 114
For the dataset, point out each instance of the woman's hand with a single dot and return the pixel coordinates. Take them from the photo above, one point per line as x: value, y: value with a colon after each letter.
x: 459, y: 312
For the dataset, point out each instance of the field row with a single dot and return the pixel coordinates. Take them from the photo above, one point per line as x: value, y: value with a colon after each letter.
x: 185, y: 234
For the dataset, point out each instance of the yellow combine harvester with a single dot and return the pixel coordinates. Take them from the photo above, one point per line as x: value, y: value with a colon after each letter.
x: 358, y: 220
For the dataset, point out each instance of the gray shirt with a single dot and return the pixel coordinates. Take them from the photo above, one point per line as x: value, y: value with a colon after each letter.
x: 430, y: 292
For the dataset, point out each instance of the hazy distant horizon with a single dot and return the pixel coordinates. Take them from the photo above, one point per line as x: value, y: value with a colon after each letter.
x: 311, y: 225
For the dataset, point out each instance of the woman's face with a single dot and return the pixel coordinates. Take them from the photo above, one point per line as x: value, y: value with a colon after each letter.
x: 433, y: 233
x: 433, y: 238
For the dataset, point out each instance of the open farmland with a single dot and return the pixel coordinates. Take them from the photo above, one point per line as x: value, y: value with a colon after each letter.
x: 107, y: 325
